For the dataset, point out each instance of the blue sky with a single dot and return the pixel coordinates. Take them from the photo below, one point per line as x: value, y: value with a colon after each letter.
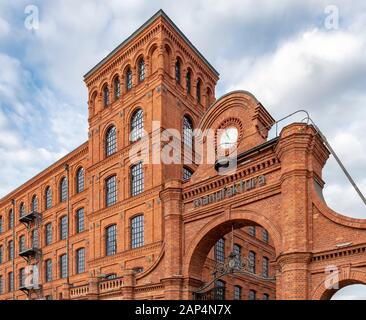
x: 281, y: 51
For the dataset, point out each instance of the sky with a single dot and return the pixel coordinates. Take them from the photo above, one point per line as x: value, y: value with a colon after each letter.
x: 290, y: 54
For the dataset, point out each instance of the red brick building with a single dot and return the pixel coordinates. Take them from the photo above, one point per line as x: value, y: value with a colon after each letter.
x: 100, y: 224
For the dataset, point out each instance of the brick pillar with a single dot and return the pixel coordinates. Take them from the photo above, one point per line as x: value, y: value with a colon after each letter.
x: 172, y: 207
x: 294, y: 152
x: 93, y: 288
x: 65, y: 290
x: 129, y: 283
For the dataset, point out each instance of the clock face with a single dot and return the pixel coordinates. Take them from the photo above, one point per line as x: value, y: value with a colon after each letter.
x: 229, y: 137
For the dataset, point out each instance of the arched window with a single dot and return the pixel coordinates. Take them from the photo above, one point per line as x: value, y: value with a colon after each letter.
x: 34, y: 206
x: 22, y: 210
x: 137, y: 125
x: 21, y: 243
x: 251, y: 231
x: 105, y: 96
x: 48, y: 233
x: 137, y: 179
x: 80, y: 180
x: 188, y: 81
x: 187, y: 174
x: 265, y: 296
x: 48, y: 270
x: 11, y: 250
x: 141, y: 70
x: 265, y: 267
x: 117, y: 88
x: 219, y: 290
x: 80, y: 220
x: 63, y: 228
x: 35, y: 242
x: 80, y: 260
x: 198, y: 91
x: 252, y: 295
x: 237, y: 251
x: 110, y: 141
x: 252, y: 258
x: 187, y: 132
x: 111, y: 240
x: 265, y: 235
x: 63, y: 189
x: 178, y: 71
x: 220, y: 250
x: 237, y: 292
x: 137, y: 231
x: 11, y: 219
x: 111, y: 191
x: 128, y: 79
x: 48, y: 197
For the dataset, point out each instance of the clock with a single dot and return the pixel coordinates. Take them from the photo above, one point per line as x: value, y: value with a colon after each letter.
x: 228, y: 137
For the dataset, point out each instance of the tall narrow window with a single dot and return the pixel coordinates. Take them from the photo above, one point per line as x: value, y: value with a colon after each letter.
x: 63, y: 266
x: 1, y: 224
x: 219, y: 290
x: 220, y: 250
x: 137, y: 125
x: 141, y: 69
x: 80, y: 223
x: 35, y: 242
x: 34, y: 206
x: 187, y: 174
x: 105, y: 96
x: 21, y: 277
x: 1, y: 254
x: 21, y: 243
x: 111, y: 191
x: 137, y: 179
x: 237, y: 251
x: 251, y: 231
x: 265, y: 267
x: 11, y: 250
x: 188, y: 81
x: 128, y: 79
x: 10, y: 281
x: 22, y: 210
x: 63, y: 228
x: 237, y: 292
x: 1, y: 284
x: 177, y: 71
x: 265, y: 296
x: 80, y: 260
x: 265, y: 235
x: 80, y: 180
x: 11, y: 219
x: 117, y: 88
x: 187, y: 132
x: 48, y: 270
x: 48, y: 197
x: 198, y: 91
x: 111, y: 141
x: 137, y: 231
x: 63, y: 189
x: 252, y: 295
x: 48, y: 234
x: 252, y: 258
x: 111, y: 240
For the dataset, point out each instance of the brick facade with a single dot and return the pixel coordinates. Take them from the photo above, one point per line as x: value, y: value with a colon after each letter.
x: 307, y: 239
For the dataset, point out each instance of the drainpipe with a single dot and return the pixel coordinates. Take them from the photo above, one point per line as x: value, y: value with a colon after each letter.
x: 13, y: 262
x: 67, y: 168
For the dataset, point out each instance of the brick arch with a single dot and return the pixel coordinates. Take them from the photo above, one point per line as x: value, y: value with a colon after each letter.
x: 208, y: 235
x: 345, y: 279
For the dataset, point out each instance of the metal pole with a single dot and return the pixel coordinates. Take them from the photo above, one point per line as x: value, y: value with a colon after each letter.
x: 13, y: 249
x: 67, y: 168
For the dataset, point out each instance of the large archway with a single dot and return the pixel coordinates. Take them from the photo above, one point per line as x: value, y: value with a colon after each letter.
x: 234, y: 233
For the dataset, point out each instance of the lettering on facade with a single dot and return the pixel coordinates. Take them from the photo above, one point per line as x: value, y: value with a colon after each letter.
x: 227, y: 192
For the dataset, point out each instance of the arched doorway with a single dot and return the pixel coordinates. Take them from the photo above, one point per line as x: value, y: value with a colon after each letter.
x: 234, y: 259
x: 351, y: 292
